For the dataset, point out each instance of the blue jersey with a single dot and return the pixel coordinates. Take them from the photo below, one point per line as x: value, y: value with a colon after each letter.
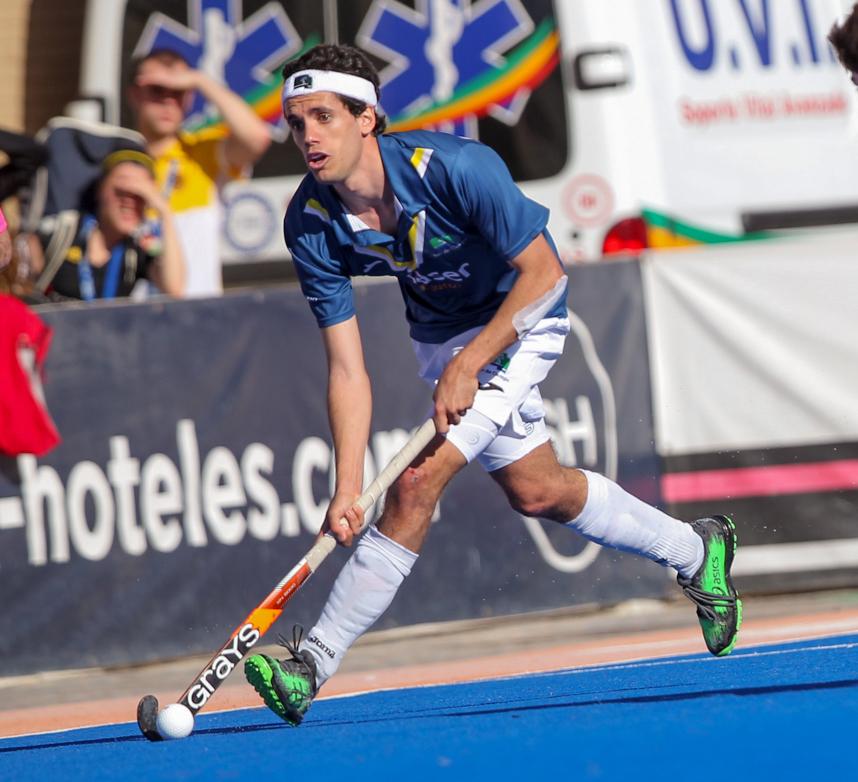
x: 461, y: 219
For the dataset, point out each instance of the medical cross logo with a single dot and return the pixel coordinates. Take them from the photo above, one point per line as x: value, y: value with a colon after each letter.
x: 241, y: 53
x: 450, y: 61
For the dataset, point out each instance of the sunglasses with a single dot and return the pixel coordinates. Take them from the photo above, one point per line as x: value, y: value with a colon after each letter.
x: 158, y: 94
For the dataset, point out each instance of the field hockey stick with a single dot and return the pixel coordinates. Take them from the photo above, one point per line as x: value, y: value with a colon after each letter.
x: 248, y: 633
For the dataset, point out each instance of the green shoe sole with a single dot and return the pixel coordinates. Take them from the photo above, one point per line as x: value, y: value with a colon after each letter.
x: 729, y: 648
x: 258, y: 671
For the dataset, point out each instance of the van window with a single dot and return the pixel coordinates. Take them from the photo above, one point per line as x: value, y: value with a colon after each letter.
x: 493, y: 76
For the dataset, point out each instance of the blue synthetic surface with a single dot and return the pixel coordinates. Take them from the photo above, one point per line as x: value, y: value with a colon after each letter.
x: 779, y: 712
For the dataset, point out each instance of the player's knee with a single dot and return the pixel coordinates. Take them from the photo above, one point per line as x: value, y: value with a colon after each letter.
x: 412, y: 491
x: 537, y: 500
x: 558, y: 497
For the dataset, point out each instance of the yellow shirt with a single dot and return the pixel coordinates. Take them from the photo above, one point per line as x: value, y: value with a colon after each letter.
x: 191, y: 173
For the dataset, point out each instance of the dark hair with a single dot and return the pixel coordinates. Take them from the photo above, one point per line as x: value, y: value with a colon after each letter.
x: 127, y: 155
x: 343, y: 59
x: 125, y: 152
x: 155, y: 54
x: 844, y: 39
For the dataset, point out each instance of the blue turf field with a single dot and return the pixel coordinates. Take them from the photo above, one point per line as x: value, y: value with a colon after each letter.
x: 778, y: 712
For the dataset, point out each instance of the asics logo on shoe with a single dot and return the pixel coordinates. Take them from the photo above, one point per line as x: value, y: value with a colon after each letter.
x: 718, y: 582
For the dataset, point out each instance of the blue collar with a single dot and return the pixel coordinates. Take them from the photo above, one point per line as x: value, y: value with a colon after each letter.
x: 408, y: 185
x: 405, y: 182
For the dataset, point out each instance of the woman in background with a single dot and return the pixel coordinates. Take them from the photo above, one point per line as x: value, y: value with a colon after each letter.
x: 114, y: 242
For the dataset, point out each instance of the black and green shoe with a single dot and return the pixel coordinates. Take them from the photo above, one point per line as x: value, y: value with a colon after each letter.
x: 711, y: 589
x: 287, y: 686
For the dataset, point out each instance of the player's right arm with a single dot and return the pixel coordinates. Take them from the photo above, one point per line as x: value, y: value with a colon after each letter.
x: 349, y: 414
x: 326, y: 285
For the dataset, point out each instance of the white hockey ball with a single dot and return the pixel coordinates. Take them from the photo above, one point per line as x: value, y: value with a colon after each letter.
x: 175, y: 721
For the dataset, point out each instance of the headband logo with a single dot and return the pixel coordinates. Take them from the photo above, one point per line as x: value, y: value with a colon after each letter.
x: 303, y: 81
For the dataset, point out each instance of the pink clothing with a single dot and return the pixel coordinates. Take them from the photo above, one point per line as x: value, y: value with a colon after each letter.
x: 3, y: 224
x: 25, y: 423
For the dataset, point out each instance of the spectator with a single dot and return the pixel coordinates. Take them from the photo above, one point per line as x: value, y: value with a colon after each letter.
x: 191, y: 169
x: 844, y: 39
x: 5, y: 242
x: 14, y: 280
x: 112, y: 246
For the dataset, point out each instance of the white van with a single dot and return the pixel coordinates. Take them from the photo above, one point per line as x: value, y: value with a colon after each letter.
x: 640, y: 123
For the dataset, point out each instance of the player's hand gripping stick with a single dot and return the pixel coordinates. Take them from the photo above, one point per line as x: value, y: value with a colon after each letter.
x: 177, y: 719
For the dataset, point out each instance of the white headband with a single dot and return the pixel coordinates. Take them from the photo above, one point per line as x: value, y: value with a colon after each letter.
x: 308, y: 82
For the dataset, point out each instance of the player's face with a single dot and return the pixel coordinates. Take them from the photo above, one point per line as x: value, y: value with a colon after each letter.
x: 329, y: 136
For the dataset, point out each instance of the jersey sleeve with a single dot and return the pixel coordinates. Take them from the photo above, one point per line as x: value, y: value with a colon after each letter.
x: 325, y: 284
x: 492, y: 201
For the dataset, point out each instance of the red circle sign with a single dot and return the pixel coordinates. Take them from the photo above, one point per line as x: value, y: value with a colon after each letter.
x: 588, y: 200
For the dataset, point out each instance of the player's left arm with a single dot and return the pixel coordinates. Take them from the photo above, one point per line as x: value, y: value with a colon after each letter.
x: 540, y: 281
x: 249, y: 137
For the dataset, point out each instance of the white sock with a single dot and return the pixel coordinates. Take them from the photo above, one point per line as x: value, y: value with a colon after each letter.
x: 361, y: 594
x: 614, y: 518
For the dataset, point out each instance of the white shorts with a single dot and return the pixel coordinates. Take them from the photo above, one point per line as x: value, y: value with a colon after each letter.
x: 506, y: 421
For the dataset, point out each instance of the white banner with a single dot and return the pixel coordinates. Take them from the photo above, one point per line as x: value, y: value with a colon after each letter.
x: 755, y: 345
x: 754, y: 365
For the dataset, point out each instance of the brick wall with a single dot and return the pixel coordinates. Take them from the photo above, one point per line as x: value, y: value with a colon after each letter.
x: 39, y: 59
x: 40, y: 43
x: 14, y: 17
x: 54, y: 32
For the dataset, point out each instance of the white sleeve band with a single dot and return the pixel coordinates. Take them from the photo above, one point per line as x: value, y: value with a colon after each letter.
x: 310, y: 81
x: 527, y: 317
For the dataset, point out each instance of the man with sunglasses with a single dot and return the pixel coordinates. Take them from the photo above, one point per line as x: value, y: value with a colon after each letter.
x: 191, y: 168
